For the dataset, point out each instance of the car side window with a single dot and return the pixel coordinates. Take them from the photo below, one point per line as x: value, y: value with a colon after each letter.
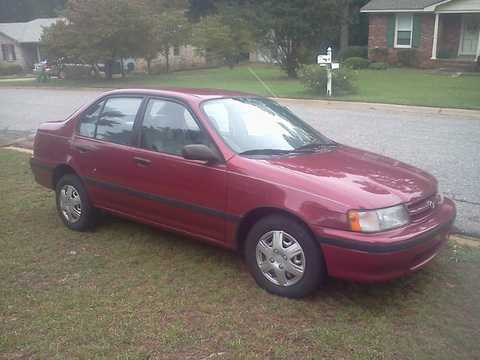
x: 115, y: 124
x: 88, y: 122
x: 168, y: 127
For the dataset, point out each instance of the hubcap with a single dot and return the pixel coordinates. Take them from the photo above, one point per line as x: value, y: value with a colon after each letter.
x: 280, y: 258
x: 70, y: 204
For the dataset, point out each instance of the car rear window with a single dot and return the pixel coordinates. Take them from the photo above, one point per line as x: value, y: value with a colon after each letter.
x: 111, y: 120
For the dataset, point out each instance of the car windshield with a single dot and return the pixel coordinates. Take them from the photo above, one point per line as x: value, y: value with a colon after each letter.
x: 253, y: 126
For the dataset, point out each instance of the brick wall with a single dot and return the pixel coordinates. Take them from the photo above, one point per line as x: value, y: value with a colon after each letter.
x: 377, y: 39
x: 377, y: 30
x: 426, y: 41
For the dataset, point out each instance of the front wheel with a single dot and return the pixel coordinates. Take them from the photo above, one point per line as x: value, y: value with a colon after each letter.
x: 283, y: 257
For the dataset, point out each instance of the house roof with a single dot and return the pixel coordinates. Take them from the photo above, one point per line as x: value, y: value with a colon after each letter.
x: 26, y: 32
x: 396, y: 5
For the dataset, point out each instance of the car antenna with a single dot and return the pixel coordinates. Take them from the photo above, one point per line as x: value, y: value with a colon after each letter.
x: 262, y: 82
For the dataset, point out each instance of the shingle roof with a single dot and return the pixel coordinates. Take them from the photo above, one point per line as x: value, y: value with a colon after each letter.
x: 27, y: 32
x: 376, y: 5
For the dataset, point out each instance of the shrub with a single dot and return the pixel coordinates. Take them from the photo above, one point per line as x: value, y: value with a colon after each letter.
x: 315, y: 78
x: 10, y: 69
x: 352, y: 52
x: 356, y: 63
x: 77, y: 71
x: 378, y: 66
x: 379, y: 54
x: 407, y: 57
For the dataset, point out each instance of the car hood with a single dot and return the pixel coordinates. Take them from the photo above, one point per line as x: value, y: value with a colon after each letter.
x: 356, y: 178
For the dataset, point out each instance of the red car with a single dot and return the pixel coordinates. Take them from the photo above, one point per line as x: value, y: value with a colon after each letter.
x: 244, y: 173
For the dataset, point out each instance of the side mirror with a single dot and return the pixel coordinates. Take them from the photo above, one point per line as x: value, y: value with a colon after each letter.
x: 199, y: 152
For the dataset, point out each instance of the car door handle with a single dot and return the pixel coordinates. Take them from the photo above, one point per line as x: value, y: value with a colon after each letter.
x: 142, y: 161
x: 83, y: 149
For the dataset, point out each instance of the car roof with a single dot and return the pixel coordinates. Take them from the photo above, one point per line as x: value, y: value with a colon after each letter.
x: 184, y: 93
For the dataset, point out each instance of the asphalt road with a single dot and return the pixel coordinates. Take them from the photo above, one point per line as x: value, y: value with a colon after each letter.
x: 446, y: 145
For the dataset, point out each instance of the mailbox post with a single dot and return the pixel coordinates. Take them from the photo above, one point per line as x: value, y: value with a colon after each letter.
x: 326, y: 60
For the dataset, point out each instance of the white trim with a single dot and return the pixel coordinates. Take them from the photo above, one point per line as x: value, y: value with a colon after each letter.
x: 391, y: 11
x: 435, y: 37
x: 395, y: 45
x: 434, y: 6
x: 458, y: 11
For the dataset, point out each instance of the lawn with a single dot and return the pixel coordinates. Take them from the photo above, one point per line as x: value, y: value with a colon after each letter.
x: 395, y: 86
x: 127, y: 291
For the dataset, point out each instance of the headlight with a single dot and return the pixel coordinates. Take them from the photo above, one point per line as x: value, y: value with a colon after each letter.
x: 378, y: 220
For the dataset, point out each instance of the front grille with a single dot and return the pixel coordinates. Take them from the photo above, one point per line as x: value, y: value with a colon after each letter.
x: 421, y: 209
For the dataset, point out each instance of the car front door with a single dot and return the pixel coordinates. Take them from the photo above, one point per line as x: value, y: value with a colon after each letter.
x: 182, y: 194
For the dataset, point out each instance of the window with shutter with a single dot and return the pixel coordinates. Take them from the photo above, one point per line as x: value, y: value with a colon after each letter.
x: 404, y: 31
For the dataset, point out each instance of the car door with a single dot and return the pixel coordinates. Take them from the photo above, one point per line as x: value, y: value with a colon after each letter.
x: 102, y: 151
x: 183, y: 194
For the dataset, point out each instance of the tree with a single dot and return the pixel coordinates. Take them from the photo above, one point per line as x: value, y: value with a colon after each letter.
x: 350, y: 16
x: 289, y: 27
x: 172, y: 29
x: 98, y: 31
x: 225, y: 36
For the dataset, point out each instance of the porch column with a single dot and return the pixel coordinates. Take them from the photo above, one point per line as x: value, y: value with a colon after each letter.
x: 435, y: 36
x: 478, y: 47
x: 38, y: 54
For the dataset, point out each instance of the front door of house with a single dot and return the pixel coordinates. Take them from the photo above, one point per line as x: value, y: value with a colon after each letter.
x: 470, y: 34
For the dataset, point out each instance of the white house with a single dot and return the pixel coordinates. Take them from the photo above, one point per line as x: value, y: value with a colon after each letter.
x: 19, y: 42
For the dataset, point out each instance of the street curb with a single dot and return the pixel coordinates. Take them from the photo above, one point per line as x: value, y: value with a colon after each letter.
x: 19, y: 149
x: 356, y: 105
x: 466, y: 241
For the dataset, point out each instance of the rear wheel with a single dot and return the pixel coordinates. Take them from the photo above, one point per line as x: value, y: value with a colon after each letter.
x: 283, y: 257
x: 73, y: 204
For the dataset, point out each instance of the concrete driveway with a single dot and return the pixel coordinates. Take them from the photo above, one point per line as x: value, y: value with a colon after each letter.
x: 446, y: 144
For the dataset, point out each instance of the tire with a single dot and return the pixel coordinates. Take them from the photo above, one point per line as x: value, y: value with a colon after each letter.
x: 73, y: 205
x: 298, y: 253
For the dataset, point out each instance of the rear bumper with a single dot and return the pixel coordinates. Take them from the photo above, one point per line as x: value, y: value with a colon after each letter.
x: 42, y: 172
x: 388, y: 255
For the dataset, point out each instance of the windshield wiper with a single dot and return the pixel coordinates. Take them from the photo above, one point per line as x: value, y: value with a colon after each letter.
x: 266, y: 152
x: 316, y: 145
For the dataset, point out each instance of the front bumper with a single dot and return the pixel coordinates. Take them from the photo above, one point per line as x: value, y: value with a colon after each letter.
x: 387, y: 255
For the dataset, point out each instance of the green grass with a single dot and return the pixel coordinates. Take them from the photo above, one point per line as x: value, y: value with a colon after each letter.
x: 127, y: 291
x: 395, y: 86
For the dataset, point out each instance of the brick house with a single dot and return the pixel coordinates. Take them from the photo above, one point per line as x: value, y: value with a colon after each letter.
x: 19, y: 42
x: 443, y: 33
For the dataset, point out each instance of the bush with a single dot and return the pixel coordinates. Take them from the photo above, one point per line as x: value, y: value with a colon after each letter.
x: 10, y: 69
x: 77, y: 71
x: 353, y: 52
x: 356, y: 63
x: 407, y: 57
x: 315, y: 78
x: 379, y: 54
x: 378, y: 66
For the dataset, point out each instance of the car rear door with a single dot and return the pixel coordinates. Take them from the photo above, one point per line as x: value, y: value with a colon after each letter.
x: 183, y: 194
x: 102, y: 151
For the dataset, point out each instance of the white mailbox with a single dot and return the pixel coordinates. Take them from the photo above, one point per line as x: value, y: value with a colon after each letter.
x: 326, y: 60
